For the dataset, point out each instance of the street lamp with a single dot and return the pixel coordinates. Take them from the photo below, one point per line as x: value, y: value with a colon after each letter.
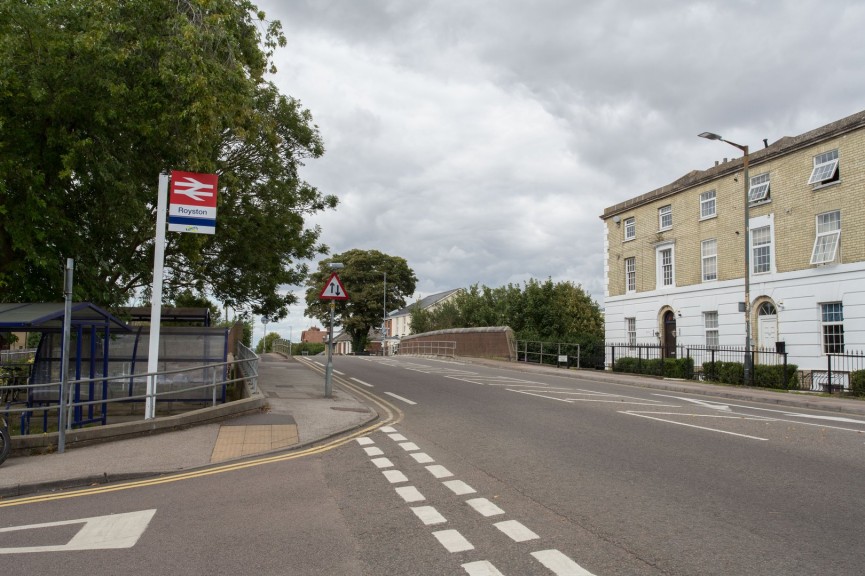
x: 747, y: 310
x: 328, y: 371
x: 384, y: 318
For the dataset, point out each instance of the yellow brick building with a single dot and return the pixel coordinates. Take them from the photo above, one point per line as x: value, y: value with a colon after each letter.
x: 675, y: 256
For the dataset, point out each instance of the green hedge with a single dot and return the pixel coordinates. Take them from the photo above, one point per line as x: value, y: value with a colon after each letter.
x: 668, y: 367
x: 764, y: 376
x: 857, y: 383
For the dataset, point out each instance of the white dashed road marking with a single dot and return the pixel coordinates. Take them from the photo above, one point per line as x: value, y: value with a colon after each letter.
x: 394, y: 476
x: 516, y: 531
x: 373, y: 451
x: 406, y: 400
x: 482, y: 568
x: 409, y: 446
x: 382, y: 463
x: 439, y: 471
x: 484, y: 507
x: 422, y: 457
x: 397, y: 437
x: 428, y: 515
x: 388, y: 429
x: 459, y: 487
x: 560, y: 564
x: 364, y: 383
x: 453, y: 541
x: 365, y: 441
x: 410, y: 494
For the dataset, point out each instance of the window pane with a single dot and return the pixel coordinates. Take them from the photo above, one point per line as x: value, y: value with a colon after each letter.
x: 833, y: 327
x: 709, y: 249
x: 707, y: 204
x: 761, y: 242
x: 759, y: 188
x: 665, y: 217
x: 630, y: 229
x: 630, y: 274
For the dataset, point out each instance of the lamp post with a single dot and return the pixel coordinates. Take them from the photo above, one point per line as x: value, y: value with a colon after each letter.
x: 744, y: 149
x: 384, y: 318
x: 328, y: 371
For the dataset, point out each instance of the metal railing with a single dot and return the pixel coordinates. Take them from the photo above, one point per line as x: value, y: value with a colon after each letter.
x: 446, y: 348
x: 16, y: 356
x: 552, y: 353
x: 844, y: 372
x: 89, y: 400
x: 281, y: 346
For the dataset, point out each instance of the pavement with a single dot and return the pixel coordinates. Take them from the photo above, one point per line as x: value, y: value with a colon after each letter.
x: 299, y: 415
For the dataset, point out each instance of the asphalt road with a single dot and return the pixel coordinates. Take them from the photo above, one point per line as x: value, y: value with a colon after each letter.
x: 489, y: 472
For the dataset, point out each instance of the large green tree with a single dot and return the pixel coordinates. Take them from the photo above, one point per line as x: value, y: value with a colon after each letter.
x: 364, y: 280
x: 97, y: 98
x: 537, y: 310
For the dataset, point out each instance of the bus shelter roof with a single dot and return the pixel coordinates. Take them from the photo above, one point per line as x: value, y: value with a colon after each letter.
x: 37, y: 316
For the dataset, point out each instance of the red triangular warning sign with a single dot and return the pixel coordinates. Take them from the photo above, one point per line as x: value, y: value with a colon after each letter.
x: 333, y: 290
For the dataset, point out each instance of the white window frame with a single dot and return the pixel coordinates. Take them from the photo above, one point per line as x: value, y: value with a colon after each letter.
x: 665, y: 217
x: 828, y: 237
x: 832, y: 327
x: 710, y: 322
x: 825, y: 168
x: 769, y: 246
x: 709, y: 259
x: 664, y: 270
x: 630, y: 275
x: 708, y: 204
x: 631, y: 331
x: 630, y: 228
x: 759, y: 188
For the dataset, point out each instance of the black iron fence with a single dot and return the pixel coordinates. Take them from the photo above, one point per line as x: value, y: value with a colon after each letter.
x: 726, y: 365
x: 844, y: 372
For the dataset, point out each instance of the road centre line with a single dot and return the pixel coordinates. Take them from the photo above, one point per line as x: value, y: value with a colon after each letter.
x: 706, y: 403
x: 484, y: 507
x: 382, y: 462
x: 410, y: 494
x: 459, y: 487
x: 363, y: 383
x: 572, y: 400
x: 374, y: 451
x: 428, y: 515
x: 516, y: 531
x: 693, y: 426
x: 406, y: 400
x: 396, y: 437
x: 409, y: 446
x: 439, y: 471
x: 394, y: 476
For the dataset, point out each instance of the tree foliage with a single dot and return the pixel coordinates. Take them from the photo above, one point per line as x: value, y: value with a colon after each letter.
x: 544, y: 311
x: 97, y: 98
x: 364, y: 279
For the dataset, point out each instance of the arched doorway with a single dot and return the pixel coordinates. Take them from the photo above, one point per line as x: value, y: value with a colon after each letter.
x: 669, y: 334
x: 767, y: 325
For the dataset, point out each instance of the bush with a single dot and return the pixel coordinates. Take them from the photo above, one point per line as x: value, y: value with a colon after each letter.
x: 857, y: 383
x: 667, y: 367
x: 764, y: 376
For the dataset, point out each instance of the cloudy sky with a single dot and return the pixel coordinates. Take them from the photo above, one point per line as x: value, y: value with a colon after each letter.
x: 481, y: 140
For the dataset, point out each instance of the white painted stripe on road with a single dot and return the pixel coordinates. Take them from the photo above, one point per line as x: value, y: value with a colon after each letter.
x: 382, y: 463
x: 319, y: 363
x: 409, y: 446
x: 484, y: 507
x: 459, y: 487
x: 363, y: 383
x: 572, y: 400
x: 695, y: 426
x: 560, y: 564
x: 394, y: 476
x: 428, y: 515
x: 422, y: 457
x: 406, y: 400
x: 397, y: 437
x: 453, y: 541
x: 481, y: 568
x: 516, y: 531
x: 388, y: 429
x: 410, y: 494
x: 338, y: 372
x: 365, y: 441
x: 439, y: 471
x: 97, y: 533
x: 373, y: 451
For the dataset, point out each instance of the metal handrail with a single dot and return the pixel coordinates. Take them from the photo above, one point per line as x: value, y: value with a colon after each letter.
x: 445, y: 348
x: 246, y: 370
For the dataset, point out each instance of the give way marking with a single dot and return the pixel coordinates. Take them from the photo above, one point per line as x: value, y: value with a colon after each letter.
x: 97, y: 533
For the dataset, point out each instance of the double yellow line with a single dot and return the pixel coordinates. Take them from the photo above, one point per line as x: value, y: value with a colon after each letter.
x: 393, y: 416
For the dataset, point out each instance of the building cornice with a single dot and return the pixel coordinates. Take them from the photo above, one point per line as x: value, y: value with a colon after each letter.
x: 782, y: 147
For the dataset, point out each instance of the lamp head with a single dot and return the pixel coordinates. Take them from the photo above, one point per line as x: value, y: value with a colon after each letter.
x: 710, y: 136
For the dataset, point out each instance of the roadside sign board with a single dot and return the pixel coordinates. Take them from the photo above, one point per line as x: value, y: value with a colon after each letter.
x: 333, y: 290
x: 192, y: 202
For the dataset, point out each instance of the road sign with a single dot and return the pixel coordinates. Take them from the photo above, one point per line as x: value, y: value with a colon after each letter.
x: 333, y: 290
x: 192, y: 202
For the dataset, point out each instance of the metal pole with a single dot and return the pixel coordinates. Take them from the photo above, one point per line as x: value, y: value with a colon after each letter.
x: 156, y: 298
x: 748, y: 358
x: 64, y: 357
x: 384, y: 318
x: 328, y: 371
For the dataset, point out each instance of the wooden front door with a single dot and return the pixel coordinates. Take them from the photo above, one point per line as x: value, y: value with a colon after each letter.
x: 669, y: 334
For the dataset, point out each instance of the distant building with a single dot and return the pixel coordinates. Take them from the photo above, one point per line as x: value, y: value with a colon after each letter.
x: 314, y: 335
x: 675, y: 256
x: 398, y: 323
